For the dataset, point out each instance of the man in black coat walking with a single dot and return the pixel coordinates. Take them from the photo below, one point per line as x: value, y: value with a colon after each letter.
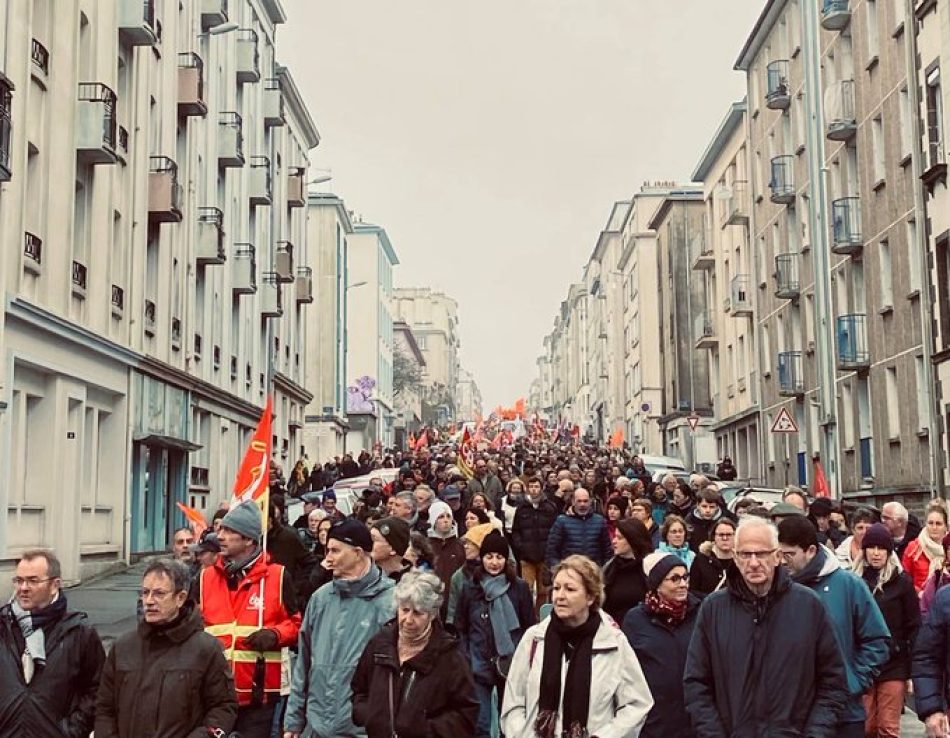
x: 529, y: 539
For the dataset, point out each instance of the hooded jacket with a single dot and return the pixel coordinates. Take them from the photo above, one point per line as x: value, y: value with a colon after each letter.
x: 341, y: 618
x: 61, y: 698
x: 579, y: 534
x: 858, y: 624
x: 433, y: 692
x: 743, y: 646
x: 661, y: 650
x: 169, y: 682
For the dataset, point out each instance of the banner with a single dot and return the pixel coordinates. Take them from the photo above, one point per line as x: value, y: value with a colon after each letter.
x: 195, y: 519
x: 821, y: 488
x: 253, y: 477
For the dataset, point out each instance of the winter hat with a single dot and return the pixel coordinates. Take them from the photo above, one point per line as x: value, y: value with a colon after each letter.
x: 657, y: 565
x: 451, y: 492
x: 353, y: 533
x: 878, y: 536
x: 436, y: 509
x: 821, y: 507
x: 244, y: 519
x: 618, y: 501
x: 329, y: 495
x: 494, y: 542
x: 396, y: 533
x: 477, y: 534
x: 783, y: 510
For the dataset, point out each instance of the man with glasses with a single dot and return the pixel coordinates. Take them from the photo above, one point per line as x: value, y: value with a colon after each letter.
x: 856, y: 619
x: 51, y: 656
x: 763, y: 659
x: 166, y: 677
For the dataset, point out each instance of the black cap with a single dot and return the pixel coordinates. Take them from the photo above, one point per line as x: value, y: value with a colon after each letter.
x: 352, y: 532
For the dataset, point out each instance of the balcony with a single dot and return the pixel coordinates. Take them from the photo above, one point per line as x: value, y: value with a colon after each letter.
x: 835, y: 14
x: 32, y: 253
x: 304, y: 285
x: 296, y: 187
x: 233, y: 368
x: 149, y: 317
x: 791, y: 378
x: 782, y: 180
x: 213, y: 13
x: 197, y: 346
x: 284, y: 261
x: 741, y: 295
x: 852, y: 340
x: 6, y: 127
x: 736, y: 204
x: 778, y: 94
x: 209, y: 247
x: 136, y: 20
x: 117, y: 301
x: 164, y: 191
x: 248, y: 57
x: 176, y: 334
x: 39, y: 55
x: 244, y: 269
x: 272, y: 305
x: 96, y: 124
x: 259, y: 183
x: 840, y: 115
x: 704, y: 333
x: 230, y: 140
x: 846, y: 225
x: 700, y: 251
x: 273, y: 103
x: 191, y: 85
x: 79, y: 279
x: 787, y: 281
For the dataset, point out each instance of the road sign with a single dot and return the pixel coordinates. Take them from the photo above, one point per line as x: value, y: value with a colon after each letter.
x: 693, y: 421
x: 784, y: 423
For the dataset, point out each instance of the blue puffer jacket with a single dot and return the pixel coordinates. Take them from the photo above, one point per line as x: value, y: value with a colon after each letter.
x: 931, y: 667
x: 579, y: 534
x: 859, y: 625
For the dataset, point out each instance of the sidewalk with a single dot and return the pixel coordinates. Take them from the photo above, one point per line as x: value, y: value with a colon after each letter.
x: 109, y: 601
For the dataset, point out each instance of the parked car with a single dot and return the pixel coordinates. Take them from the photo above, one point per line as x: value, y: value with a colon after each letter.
x: 765, y: 496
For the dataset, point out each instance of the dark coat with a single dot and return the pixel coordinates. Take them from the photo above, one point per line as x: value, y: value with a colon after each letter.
x: 913, y: 530
x: 931, y: 665
x: 531, y: 528
x: 698, y: 528
x: 743, y: 646
x: 625, y: 586
x: 169, y: 682
x: 661, y: 650
x: 900, y: 607
x: 575, y: 534
x: 61, y: 698
x: 474, y: 627
x: 286, y: 548
x: 433, y: 692
x: 707, y: 571
x: 449, y: 557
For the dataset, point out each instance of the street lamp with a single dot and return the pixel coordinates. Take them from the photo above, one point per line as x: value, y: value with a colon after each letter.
x: 321, y: 178
x: 222, y: 28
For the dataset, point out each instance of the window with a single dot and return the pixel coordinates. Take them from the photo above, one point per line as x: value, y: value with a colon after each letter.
x: 766, y: 351
x: 872, y: 30
x: 913, y: 256
x: 877, y: 149
x: 810, y: 320
x: 935, y: 143
x: 884, y: 271
x: 923, y: 405
x: 907, y: 133
x: 847, y: 415
x: 893, y: 404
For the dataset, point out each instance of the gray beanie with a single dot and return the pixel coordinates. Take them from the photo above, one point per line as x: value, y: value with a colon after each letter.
x: 244, y: 519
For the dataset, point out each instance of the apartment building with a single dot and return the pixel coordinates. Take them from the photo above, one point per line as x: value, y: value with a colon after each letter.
x: 931, y: 100
x: 408, y: 400
x: 723, y: 267
x: 154, y: 159
x: 469, y: 397
x: 325, y: 424
x: 839, y: 322
x: 369, y: 338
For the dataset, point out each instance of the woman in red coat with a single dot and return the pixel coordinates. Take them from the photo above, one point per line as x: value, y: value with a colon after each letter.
x: 924, y: 555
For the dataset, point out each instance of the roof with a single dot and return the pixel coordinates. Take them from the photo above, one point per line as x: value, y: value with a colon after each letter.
x: 760, y: 31
x: 328, y: 199
x: 274, y: 11
x: 680, y: 195
x: 618, y: 215
x: 728, y: 126
x: 299, y: 108
x: 383, y: 237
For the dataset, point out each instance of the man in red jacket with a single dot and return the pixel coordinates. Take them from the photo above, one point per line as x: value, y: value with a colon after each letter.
x: 249, y: 604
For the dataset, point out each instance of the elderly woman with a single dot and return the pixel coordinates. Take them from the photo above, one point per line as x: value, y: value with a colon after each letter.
x: 575, y: 674
x: 412, y: 680
x: 659, y: 631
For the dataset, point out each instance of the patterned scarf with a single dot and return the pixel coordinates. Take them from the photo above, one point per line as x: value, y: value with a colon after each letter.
x: 671, y: 612
x: 32, y: 624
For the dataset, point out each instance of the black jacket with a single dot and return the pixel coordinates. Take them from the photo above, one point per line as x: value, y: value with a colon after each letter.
x: 698, y: 528
x: 171, y: 682
x: 661, y: 650
x: 759, y: 667
x: 625, y: 586
x: 913, y: 530
x: 61, y: 698
x: 433, y: 692
x: 286, y: 548
x: 530, y: 529
x: 900, y: 607
x: 707, y: 571
x: 931, y: 666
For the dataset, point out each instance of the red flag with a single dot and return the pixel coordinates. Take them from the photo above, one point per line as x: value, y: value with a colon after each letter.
x: 412, y: 439
x: 423, y: 440
x: 821, y: 481
x: 253, y: 476
x: 616, y: 438
x: 195, y: 519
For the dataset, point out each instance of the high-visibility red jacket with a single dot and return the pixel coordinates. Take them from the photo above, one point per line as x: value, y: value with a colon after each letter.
x: 232, y: 615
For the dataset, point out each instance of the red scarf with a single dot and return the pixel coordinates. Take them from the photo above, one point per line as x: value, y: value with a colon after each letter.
x: 670, y: 612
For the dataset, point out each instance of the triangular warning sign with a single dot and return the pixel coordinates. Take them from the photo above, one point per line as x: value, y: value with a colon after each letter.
x: 784, y: 423
x: 693, y: 421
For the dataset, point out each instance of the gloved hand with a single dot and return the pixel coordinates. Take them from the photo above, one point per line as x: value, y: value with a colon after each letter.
x: 262, y: 640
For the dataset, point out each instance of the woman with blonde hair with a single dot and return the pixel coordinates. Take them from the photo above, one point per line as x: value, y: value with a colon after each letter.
x: 575, y: 674
x: 924, y: 555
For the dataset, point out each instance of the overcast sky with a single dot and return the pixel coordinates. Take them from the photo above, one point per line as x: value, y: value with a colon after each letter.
x: 491, y: 138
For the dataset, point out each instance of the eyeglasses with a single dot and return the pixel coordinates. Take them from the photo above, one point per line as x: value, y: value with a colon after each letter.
x: 30, y: 582
x: 677, y: 578
x: 158, y: 594
x: 759, y: 555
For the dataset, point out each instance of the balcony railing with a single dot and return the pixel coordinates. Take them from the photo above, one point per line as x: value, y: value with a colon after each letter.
x: 778, y: 94
x: 230, y: 139
x: 782, y: 180
x: 209, y: 248
x: 835, y: 14
x: 6, y: 127
x: 137, y: 23
x: 791, y: 380
x: 32, y: 251
x: 260, y: 186
x: 165, y: 193
x: 271, y: 297
x: 117, y: 299
x: 248, y: 56
x: 787, y: 280
x: 304, y: 284
x: 122, y: 139
x: 840, y: 111
x: 273, y: 103
x: 39, y: 55
x: 245, y: 269
x: 736, y: 204
x: 197, y: 345
x: 741, y: 295
x: 846, y: 225
x: 852, y: 341
x: 704, y: 330
x: 701, y: 252
x: 296, y: 194
x: 284, y: 261
x: 176, y: 333
x: 96, y: 123
x: 213, y: 13
x: 234, y: 367
x: 150, y: 315
x: 191, y: 85
x: 79, y: 275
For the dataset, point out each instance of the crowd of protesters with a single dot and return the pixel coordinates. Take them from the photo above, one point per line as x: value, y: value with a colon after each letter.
x: 539, y: 590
